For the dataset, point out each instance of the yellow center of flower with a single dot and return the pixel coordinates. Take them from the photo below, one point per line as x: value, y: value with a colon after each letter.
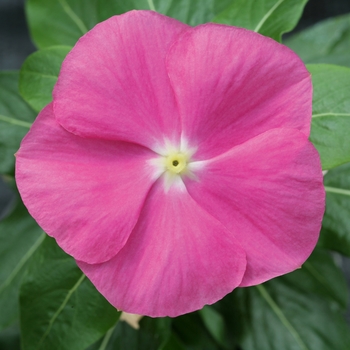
x: 176, y: 163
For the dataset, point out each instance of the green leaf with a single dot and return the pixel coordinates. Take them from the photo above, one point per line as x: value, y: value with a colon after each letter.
x: 215, y: 324
x: 39, y: 74
x: 335, y: 232
x: 331, y: 113
x: 59, y: 22
x: 153, y: 334
x: 16, y: 117
x: 174, y: 343
x: 192, y: 12
x: 60, y: 308
x: 320, y: 276
x: 20, y: 236
x: 10, y: 339
x: 299, y: 311
x: 325, y: 42
x: 269, y: 17
x: 191, y: 331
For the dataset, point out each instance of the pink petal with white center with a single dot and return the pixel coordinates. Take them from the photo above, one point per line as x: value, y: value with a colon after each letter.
x: 177, y: 259
x: 232, y: 84
x: 85, y: 193
x: 269, y: 193
x: 114, y: 83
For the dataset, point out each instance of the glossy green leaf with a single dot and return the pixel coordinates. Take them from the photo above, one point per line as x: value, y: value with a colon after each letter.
x: 299, y: 311
x: 60, y: 308
x: 215, y: 324
x: 331, y: 113
x: 325, y: 42
x: 20, y: 236
x: 335, y: 232
x: 16, y: 117
x: 268, y: 17
x: 59, y: 22
x: 39, y: 74
x: 153, y: 334
x: 192, y: 12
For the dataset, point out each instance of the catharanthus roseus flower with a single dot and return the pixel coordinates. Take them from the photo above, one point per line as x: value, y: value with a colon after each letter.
x: 174, y: 163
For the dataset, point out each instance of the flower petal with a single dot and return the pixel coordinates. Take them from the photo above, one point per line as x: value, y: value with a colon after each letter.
x: 268, y: 192
x: 177, y: 259
x: 86, y: 193
x: 232, y: 84
x: 114, y: 84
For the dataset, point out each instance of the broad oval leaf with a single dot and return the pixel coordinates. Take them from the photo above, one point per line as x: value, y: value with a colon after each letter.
x: 192, y: 12
x: 60, y: 308
x: 16, y: 117
x: 298, y: 311
x: 20, y: 236
x: 335, y: 232
x: 326, y: 42
x: 269, y: 17
x: 331, y: 113
x: 59, y: 22
x: 39, y: 74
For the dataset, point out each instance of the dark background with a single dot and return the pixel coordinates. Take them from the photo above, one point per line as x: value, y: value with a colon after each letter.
x: 15, y: 46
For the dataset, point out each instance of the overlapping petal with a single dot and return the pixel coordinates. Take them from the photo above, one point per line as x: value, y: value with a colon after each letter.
x: 268, y: 192
x: 86, y: 193
x: 232, y: 84
x: 176, y: 260
x: 114, y: 83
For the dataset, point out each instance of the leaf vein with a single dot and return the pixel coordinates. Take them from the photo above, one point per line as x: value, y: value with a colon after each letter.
x: 21, y: 263
x: 279, y: 313
x: 330, y: 113
x: 106, y: 339
x: 337, y: 190
x: 60, y: 309
x: 267, y: 15
x: 151, y: 5
x: 68, y: 10
x: 14, y: 121
x: 40, y: 74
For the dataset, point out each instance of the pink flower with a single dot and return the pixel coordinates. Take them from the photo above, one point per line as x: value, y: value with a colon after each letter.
x: 174, y: 163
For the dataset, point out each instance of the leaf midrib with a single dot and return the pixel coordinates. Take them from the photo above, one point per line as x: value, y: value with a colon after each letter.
x: 151, y: 5
x: 334, y: 114
x: 336, y: 190
x: 21, y: 263
x: 267, y: 15
x: 60, y: 309
x: 279, y: 313
x: 14, y: 121
x: 73, y: 16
